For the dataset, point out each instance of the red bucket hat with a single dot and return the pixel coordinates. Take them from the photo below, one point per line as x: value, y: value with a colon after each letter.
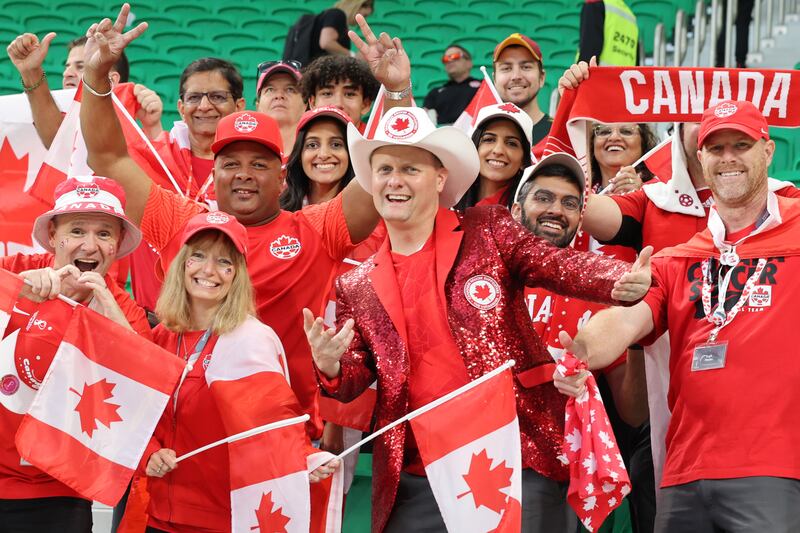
x: 89, y: 194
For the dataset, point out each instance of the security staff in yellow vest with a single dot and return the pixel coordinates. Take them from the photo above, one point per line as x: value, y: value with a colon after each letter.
x: 608, y: 32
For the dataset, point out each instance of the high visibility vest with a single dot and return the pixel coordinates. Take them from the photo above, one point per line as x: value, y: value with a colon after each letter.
x: 620, y: 35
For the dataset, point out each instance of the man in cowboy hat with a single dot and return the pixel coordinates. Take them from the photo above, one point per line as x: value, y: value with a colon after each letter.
x: 422, y: 305
x: 84, y: 233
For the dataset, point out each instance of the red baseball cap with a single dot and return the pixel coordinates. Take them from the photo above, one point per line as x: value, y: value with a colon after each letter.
x: 517, y: 39
x: 217, y: 220
x: 89, y: 194
x: 248, y: 126
x: 323, y: 111
x: 739, y: 115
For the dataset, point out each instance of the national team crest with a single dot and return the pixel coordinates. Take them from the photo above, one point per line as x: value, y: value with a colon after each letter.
x: 482, y: 292
x: 725, y: 109
x: 217, y: 217
x: 89, y: 190
x: 245, y: 123
x: 761, y: 296
x: 509, y: 108
x: 401, y: 125
x: 285, y: 247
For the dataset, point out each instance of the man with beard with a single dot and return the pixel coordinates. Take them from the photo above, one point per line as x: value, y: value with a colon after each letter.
x: 548, y: 203
x: 725, y: 296
x: 519, y: 76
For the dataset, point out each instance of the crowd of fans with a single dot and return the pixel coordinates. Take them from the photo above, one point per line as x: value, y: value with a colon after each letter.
x: 272, y: 208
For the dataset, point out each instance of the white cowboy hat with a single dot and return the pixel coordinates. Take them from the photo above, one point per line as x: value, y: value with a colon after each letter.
x: 411, y: 126
x: 557, y: 158
x: 508, y: 111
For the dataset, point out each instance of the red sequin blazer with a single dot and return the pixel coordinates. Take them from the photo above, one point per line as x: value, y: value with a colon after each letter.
x: 484, y: 241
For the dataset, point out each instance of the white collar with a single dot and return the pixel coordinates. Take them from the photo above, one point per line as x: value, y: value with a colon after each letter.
x: 717, y: 227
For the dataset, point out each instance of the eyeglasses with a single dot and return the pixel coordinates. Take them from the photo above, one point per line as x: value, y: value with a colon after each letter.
x: 455, y: 56
x: 215, y: 97
x: 545, y: 199
x: 605, y: 131
x: 266, y: 65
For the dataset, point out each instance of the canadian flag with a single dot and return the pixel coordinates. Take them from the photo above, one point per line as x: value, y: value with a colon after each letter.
x: 376, y: 113
x: 270, y: 490
x: 486, y: 95
x: 598, y: 480
x: 97, y: 406
x: 67, y: 154
x: 470, y: 446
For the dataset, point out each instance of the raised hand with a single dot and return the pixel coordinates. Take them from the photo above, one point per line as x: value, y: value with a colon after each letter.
x: 385, y: 56
x: 151, y: 108
x: 327, y: 346
x: 106, y: 42
x: 627, y: 180
x: 633, y: 285
x: 575, y: 74
x: 27, y: 54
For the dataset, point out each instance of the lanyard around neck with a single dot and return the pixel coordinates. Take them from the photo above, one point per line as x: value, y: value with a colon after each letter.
x: 190, y: 361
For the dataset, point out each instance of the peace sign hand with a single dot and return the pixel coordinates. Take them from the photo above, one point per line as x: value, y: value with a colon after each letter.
x: 106, y: 42
x: 385, y: 56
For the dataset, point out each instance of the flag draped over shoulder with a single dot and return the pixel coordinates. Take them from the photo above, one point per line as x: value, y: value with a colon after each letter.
x: 598, y: 480
x: 97, y: 406
x: 470, y: 447
x: 269, y: 472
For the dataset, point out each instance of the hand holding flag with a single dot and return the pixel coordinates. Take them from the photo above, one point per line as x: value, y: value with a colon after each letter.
x: 575, y: 74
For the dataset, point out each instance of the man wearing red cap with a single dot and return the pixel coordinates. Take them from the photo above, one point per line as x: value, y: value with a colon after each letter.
x: 292, y: 257
x: 84, y: 233
x: 519, y: 76
x: 278, y: 95
x: 725, y: 296
x: 441, y: 304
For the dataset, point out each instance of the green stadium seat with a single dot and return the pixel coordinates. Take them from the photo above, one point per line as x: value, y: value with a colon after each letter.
x: 160, y: 22
x: 226, y: 41
x: 76, y: 7
x: 247, y: 58
x: 184, y: 9
x: 571, y: 18
x: 8, y: 33
x: 481, y: 48
x: 663, y: 10
x: 189, y: 51
x: 436, y: 27
x: 647, y: 30
x: 496, y: 30
x: 7, y: 19
x: 264, y: 28
x: 415, y: 45
x: 44, y: 22
x: 239, y: 14
x: 406, y: 18
x: 467, y: 20
x: 165, y: 37
x: 436, y: 5
x: 156, y: 63
x: 209, y: 26
x: 289, y: 14
x: 524, y: 21
x: 563, y: 56
x: 786, y: 140
x: 25, y: 9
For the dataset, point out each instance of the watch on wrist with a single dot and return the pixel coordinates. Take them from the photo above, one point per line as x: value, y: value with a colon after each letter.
x: 399, y: 95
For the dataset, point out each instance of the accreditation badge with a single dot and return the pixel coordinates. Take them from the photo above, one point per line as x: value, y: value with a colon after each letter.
x: 709, y: 356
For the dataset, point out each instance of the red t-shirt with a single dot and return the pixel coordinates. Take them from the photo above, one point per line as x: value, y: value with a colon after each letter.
x: 645, y: 224
x: 730, y: 422
x: 291, y: 260
x: 202, y: 167
x: 40, y: 327
x: 436, y: 366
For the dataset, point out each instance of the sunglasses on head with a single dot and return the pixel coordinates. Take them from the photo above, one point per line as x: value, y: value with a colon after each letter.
x: 266, y: 65
x: 455, y: 56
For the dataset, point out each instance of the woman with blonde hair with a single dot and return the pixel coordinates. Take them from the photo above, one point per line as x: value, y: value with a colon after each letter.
x: 206, y: 310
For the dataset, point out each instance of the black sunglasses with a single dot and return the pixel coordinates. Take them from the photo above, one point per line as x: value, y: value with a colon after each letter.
x: 266, y: 65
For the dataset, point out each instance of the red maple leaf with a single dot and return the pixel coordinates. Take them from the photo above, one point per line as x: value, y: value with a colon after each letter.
x: 485, y: 482
x: 93, y: 406
x: 509, y: 107
x: 270, y: 519
x: 400, y: 124
x: 18, y: 209
x: 482, y: 292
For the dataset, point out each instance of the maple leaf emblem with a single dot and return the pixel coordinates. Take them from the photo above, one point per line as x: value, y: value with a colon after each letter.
x: 93, y: 407
x: 574, y: 440
x: 589, y: 503
x: 482, y: 292
x: 605, y: 438
x: 509, y: 108
x: 400, y: 124
x: 269, y: 516
x: 590, y: 464
x: 485, y: 482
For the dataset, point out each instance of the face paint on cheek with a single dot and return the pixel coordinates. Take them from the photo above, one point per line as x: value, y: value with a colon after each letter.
x: 190, y: 262
x: 228, y: 271
x: 62, y: 243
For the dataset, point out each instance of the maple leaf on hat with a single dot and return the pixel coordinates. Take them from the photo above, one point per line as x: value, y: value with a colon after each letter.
x: 400, y: 124
x: 482, y: 292
x: 485, y: 482
x: 93, y: 407
x: 509, y: 107
x: 269, y: 516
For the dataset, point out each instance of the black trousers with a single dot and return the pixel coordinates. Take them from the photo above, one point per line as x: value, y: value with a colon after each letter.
x: 46, y: 515
x: 739, y: 505
x: 744, y: 14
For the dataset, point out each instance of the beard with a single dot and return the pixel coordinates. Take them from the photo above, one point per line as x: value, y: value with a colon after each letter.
x: 535, y: 228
